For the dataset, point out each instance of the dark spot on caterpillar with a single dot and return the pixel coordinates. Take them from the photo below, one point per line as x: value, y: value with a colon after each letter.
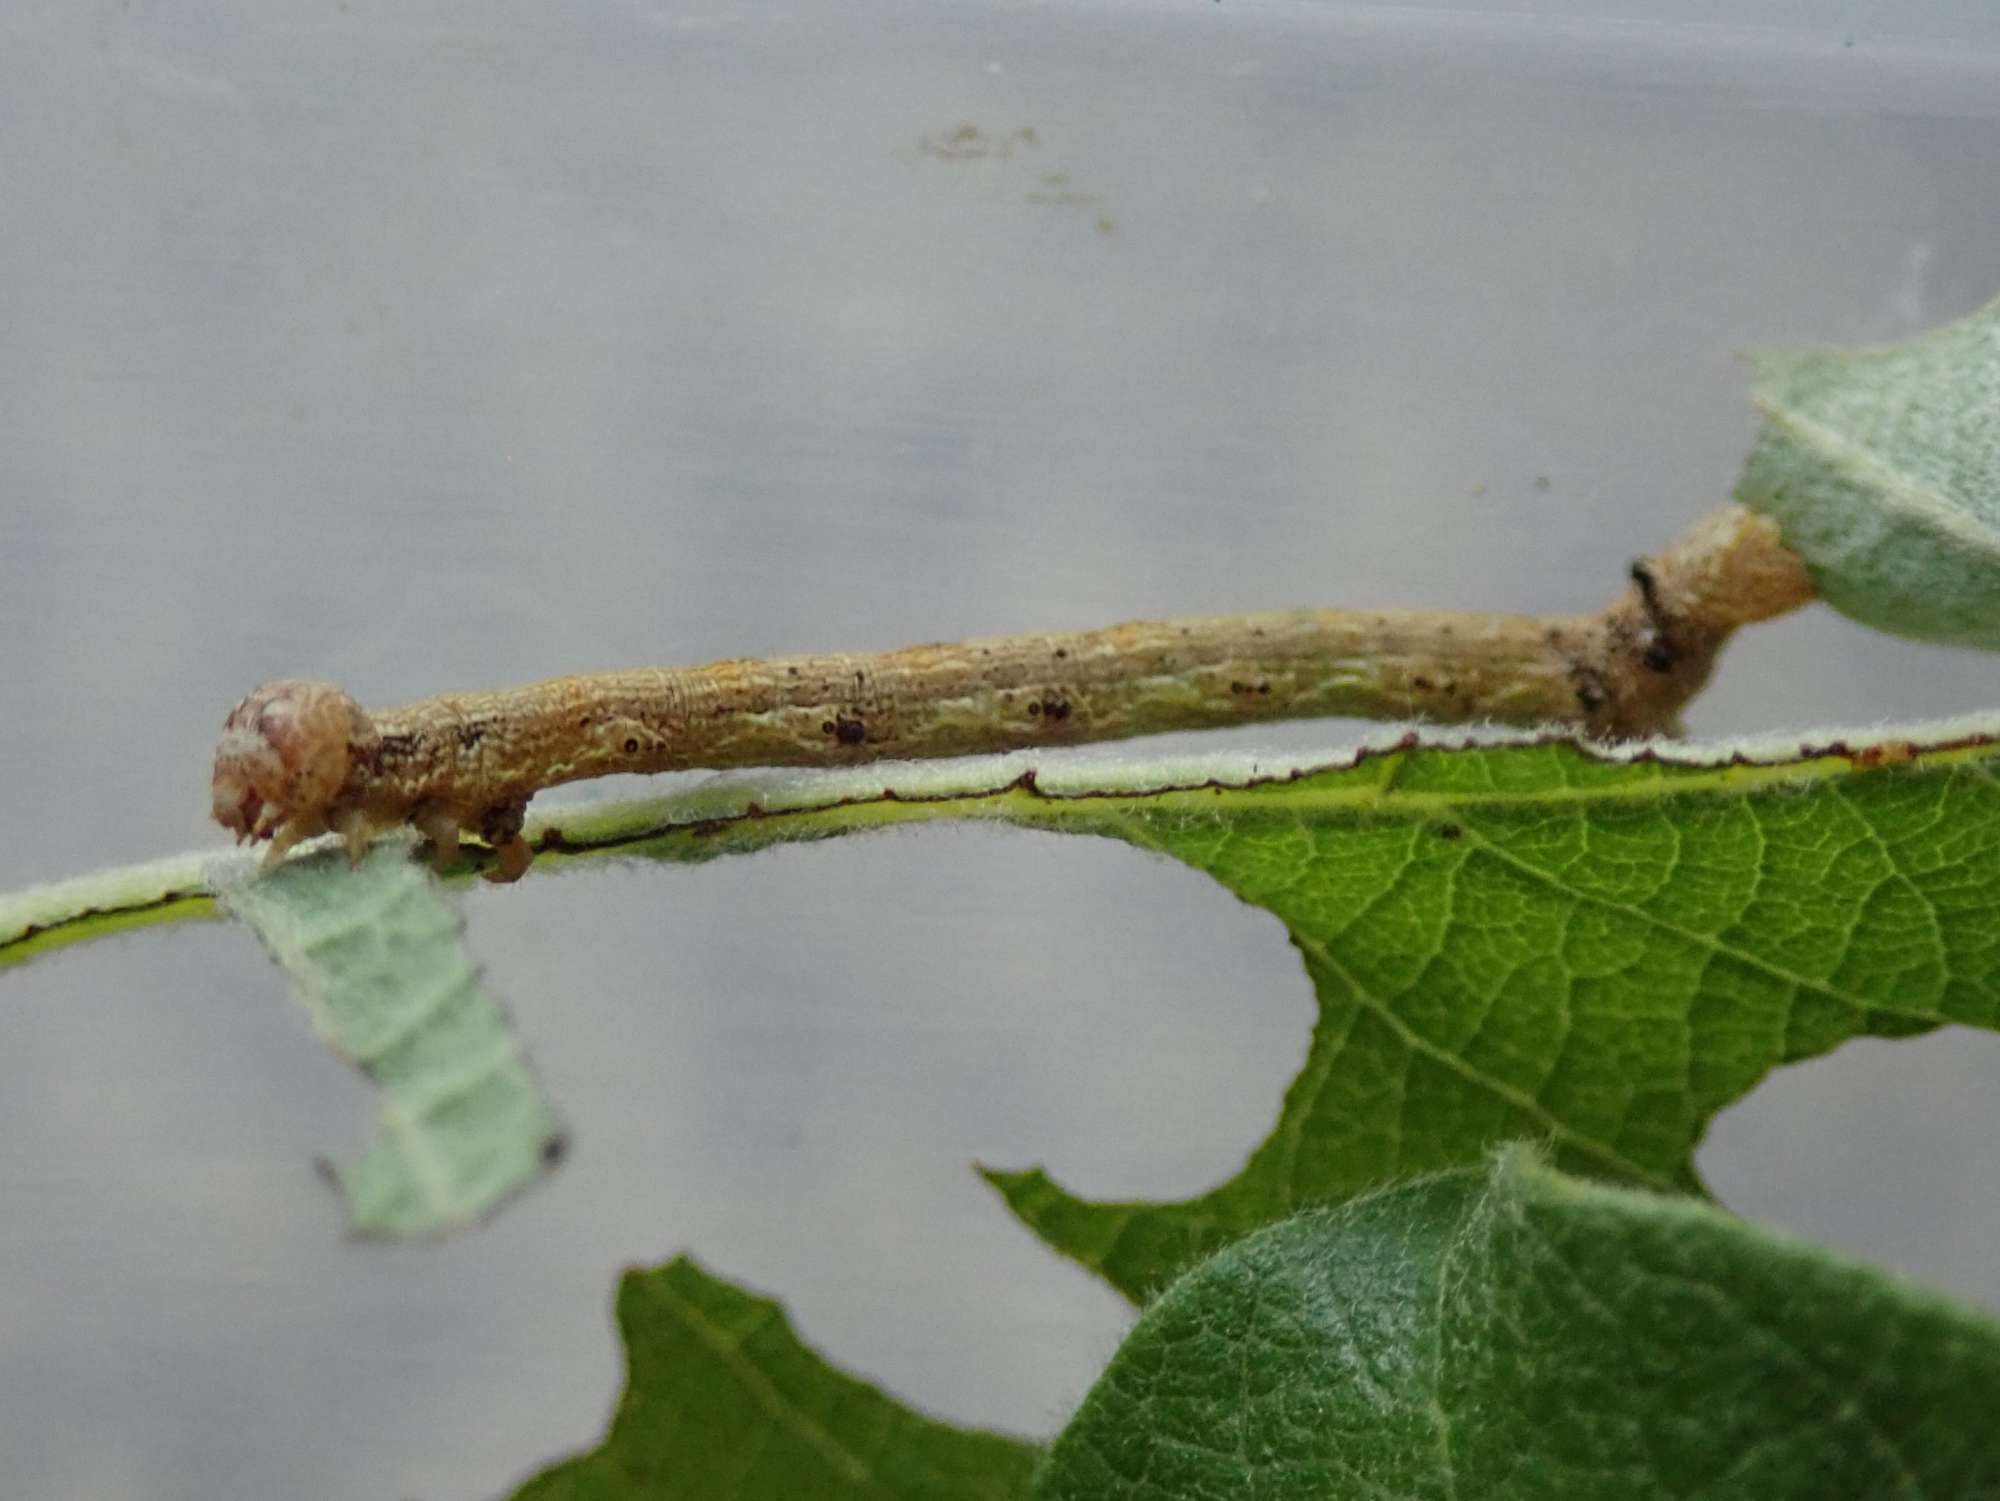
x: 1421, y: 683
x: 470, y: 735
x: 791, y: 672
x: 1660, y: 654
x: 1449, y: 831
x: 393, y: 748
x: 1061, y: 652
x: 1649, y: 594
x: 1056, y: 708
x: 860, y: 678
x: 1589, y: 694
x: 502, y: 822
x: 826, y: 726
x: 1034, y: 708
x: 583, y: 723
x: 1263, y: 687
x: 631, y: 745
x: 849, y: 731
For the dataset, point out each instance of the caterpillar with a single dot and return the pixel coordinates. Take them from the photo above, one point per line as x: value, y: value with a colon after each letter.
x: 298, y: 758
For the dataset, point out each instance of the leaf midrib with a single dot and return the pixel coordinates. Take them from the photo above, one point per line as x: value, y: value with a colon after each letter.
x: 762, y: 1390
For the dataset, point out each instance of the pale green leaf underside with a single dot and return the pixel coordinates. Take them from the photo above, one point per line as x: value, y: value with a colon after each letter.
x: 722, y: 1403
x: 44, y: 918
x: 376, y: 953
x: 1881, y: 467
x: 1516, y: 1335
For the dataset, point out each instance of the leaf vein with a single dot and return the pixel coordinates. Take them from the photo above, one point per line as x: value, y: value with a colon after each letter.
x: 783, y: 1411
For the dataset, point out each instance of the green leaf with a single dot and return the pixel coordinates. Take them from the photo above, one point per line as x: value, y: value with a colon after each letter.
x: 1534, y: 939
x: 1881, y: 467
x: 376, y: 953
x: 1513, y: 1333
x: 722, y: 1401
x: 1524, y: 938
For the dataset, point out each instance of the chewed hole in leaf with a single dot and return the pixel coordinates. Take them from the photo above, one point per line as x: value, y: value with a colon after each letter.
x: 1898, y: 1186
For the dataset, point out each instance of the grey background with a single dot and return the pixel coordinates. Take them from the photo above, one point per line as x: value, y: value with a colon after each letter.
x: 440, y: 346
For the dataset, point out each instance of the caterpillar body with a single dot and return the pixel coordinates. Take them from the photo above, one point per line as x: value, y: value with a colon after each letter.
x: 298, y: 758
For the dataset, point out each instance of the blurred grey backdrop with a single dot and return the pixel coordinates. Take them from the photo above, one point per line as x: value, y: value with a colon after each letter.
x: 428, y: 346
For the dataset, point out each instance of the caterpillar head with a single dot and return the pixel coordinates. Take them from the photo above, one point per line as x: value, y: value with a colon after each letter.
x: 284, y: 757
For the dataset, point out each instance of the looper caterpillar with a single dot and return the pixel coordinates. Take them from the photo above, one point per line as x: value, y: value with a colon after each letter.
x: 300, y: 758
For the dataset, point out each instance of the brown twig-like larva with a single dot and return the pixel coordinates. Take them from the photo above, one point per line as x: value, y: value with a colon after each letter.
x: 301, y: 758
